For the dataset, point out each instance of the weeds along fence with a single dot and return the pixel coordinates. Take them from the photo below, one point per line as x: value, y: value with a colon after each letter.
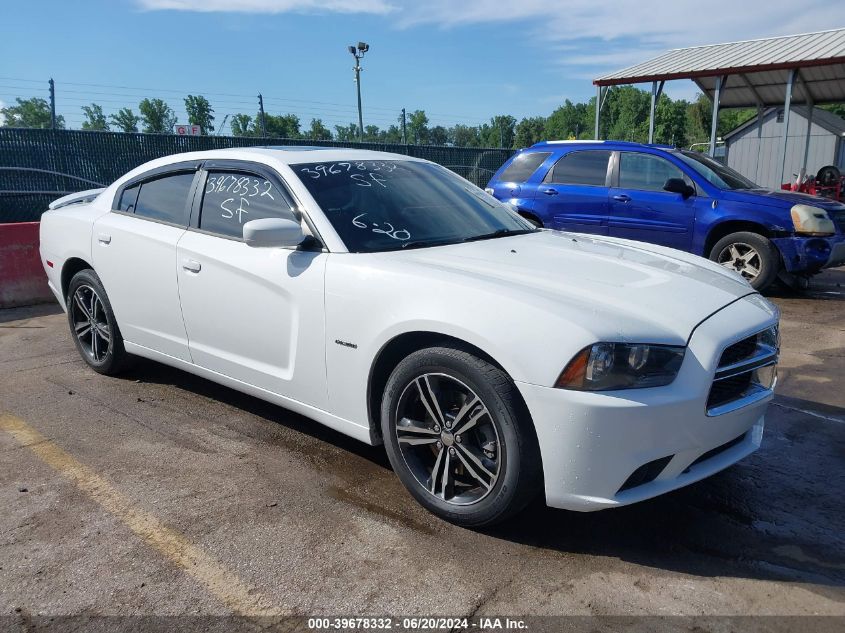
x: 38, y: 166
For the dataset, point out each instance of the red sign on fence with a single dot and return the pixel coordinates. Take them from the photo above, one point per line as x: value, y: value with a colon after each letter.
x: 187, y: 130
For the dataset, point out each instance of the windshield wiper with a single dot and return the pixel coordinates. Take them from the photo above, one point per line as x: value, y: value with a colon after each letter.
x: 498, y: 233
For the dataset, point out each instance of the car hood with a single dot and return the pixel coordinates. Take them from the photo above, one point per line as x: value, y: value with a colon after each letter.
x: 783, y: 199
x: 634, y: 288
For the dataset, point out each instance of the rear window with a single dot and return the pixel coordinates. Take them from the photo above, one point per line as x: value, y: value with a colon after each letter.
x: 523, y: 166
x: 165, y: 199
x: 588, y: 167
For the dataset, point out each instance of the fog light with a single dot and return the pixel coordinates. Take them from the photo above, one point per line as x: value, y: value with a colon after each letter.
x: 766, y: 376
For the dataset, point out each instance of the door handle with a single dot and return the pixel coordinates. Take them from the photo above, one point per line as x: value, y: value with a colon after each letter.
x: 622, y: 198
x: 191, y: 265
x: 104, y: 238
x: 550, y: 192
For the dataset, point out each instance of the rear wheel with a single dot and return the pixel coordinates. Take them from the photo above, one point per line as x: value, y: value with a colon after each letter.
x: 93, y: 326
x: 751, y: 255
x: 459, y: 438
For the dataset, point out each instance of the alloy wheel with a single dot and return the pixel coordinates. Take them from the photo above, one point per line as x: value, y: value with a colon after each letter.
x: 448, y: 439
x: 90, y: 325
x: 742, y: 258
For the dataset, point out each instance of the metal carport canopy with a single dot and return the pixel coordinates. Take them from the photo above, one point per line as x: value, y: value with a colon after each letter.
x: 807, y: 68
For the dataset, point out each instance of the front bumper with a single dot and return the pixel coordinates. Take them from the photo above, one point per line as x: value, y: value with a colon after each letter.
x: 811, y: 254
x: 592, y: 444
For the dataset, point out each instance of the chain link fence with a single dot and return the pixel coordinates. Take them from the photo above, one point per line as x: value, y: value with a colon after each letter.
x: 37, y: 166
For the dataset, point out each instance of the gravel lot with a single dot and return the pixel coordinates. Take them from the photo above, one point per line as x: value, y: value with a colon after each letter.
x: 161, y: 493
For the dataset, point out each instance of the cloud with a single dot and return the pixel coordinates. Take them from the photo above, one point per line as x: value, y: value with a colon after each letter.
x: 622, y: 32
x: 269, y: 6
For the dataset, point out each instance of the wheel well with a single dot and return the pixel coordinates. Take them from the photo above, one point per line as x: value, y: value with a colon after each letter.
x: 732, y: 226
x: 393, y: 353
x: 71, y: 267
x: 531, y: 217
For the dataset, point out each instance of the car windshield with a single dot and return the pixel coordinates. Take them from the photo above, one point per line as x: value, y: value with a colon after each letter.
x: 382, y: 205
x: 715, y: 172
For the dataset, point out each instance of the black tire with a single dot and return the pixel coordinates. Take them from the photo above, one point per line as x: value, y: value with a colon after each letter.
x: 502, y: 415
x: 89, y: 342
x: 766, y: 254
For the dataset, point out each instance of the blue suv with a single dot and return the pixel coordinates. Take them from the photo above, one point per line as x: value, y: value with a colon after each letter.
x: 676, y: 198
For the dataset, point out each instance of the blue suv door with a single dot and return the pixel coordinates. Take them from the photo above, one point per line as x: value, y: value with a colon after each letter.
x: 573, y: 195
x: 640, y: 209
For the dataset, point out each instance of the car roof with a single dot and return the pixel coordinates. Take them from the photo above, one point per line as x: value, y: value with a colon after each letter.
x: 606, y: 144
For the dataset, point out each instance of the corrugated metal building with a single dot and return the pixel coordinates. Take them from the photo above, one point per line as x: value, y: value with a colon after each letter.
x: 754, y: 149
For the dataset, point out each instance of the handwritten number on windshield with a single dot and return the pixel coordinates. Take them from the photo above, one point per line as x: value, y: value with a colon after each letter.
x: 400, y: 235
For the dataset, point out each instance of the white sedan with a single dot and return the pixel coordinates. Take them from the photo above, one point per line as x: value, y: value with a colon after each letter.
x: 393, y: 301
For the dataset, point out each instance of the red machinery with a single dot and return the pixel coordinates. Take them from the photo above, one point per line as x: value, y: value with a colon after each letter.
x: 828, y: 183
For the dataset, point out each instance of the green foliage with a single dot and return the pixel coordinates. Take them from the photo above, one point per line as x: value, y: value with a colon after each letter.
x: 346, y: 132
x: 94, y: 118
x: 200, y: 113
x: 32, y: 112
x: 157, y: 116
x: 529, y: 131
x: 500, y: 132
x: 566, y: 122
x: 125, y: 120
x: 438, y: 135
x: 418, y: 127
x: 241, y: 125
x: 318, y: 131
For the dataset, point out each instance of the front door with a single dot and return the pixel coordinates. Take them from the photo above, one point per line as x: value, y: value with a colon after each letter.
x: 640, y: 209
x: 253, y: 314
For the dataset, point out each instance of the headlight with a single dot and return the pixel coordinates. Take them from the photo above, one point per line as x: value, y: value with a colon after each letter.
x: 809, y: 220
x: 605, y: 366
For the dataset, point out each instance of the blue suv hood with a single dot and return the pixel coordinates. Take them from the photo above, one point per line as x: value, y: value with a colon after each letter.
x: 782, y: 199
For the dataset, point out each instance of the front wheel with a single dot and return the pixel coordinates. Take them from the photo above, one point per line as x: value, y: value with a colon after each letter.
x: 749, y: 254
x: 459, y: 438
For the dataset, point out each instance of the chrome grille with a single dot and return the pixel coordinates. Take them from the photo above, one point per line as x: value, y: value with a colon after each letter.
x: 746, y: 372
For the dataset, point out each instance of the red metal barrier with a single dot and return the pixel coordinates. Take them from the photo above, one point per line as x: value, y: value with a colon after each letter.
x: 22, y: 278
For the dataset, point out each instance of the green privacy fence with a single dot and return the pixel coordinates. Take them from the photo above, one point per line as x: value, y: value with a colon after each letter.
x: 38, y: 166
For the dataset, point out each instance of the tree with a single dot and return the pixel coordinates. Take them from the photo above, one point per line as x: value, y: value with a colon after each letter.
x: 566, y: 122
x: 418, y: 126
x: 391, y: 135
x: 371, y: 132
x: 500, y: 132
x: 319, y: 131
x: 125, y: 120
x: 670, y: 122
x: 157, y: 116
x: 346, y: 133
x: 464, y: 136
x: 529, y: 131
x: 200, y: 113
x: 32, y: 112
x: 241, y: 125
x: 280, y: 125
x: 438, y: 135
x: 94, y: 118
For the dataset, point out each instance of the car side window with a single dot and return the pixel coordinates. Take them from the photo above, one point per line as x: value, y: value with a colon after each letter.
x: 523, y: 166
x: 645, y: 172
x: 588, y: 167
x: 128, y: 198
x: 233, y: 198
x: 163, y: 199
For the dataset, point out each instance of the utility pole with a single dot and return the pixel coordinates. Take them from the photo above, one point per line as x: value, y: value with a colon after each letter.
x: 261, y: 115
x: 358, y: 53
x: 52, y: 104
x: 404, y: 129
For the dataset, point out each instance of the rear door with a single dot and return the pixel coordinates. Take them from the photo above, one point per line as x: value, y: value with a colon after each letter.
x: 134, y: 252
x: 573, y: 195
x: 640, y: 209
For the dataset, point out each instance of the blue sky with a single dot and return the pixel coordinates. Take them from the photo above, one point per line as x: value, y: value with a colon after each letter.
x: 462, y: 62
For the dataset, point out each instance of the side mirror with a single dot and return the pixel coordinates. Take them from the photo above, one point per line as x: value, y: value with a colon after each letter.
x: 677, y: 185
x: 273, y: 232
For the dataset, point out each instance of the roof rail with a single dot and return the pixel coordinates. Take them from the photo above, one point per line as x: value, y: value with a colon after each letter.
x: 611, y: 141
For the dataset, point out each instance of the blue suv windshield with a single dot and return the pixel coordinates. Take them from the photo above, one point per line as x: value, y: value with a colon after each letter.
x: 715, y: 172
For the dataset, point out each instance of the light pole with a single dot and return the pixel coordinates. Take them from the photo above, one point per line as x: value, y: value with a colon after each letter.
x: 358, y: 53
